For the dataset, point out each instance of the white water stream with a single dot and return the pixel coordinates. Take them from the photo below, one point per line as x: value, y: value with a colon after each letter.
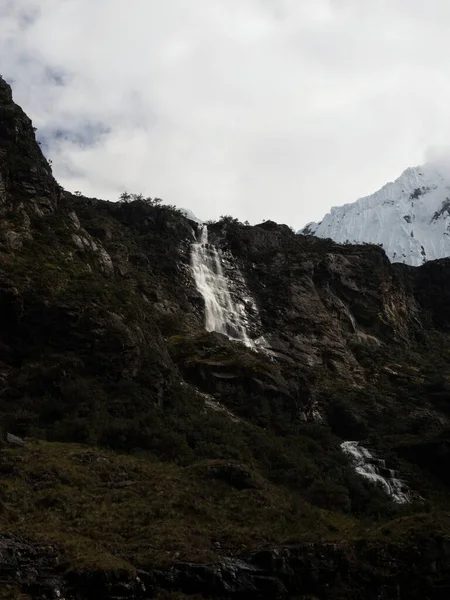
x: 222, y: 314
x: 375, y: 470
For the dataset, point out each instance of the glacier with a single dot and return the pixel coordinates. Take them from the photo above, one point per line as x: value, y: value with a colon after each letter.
x: 409, y: 218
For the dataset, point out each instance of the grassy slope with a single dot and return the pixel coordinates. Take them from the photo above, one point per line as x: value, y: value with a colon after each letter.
x: 114, y: 511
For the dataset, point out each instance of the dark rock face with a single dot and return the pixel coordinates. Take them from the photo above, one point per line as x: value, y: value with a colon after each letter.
x: 25, y: 175
x: 333, y: 315
x: 102, y: 345
x: 36, y: 571
x: 431, y: 290
x: 326, y: 571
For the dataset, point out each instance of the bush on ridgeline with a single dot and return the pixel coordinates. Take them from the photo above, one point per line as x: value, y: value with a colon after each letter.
x: 140, y: 199
x: 228, y: 220
x: 127, y: 198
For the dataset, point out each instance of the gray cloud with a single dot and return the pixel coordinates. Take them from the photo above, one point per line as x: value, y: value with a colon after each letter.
x: 259, y: 108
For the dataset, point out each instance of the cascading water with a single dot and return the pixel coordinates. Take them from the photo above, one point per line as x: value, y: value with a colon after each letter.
x: 222, y: 314
x: 375, y: 470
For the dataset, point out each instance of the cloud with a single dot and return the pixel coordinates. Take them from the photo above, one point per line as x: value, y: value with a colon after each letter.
x: 259, y: 108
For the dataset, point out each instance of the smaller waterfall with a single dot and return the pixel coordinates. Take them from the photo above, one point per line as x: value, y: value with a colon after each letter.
x: 222, y: 314
x: 375, y: 470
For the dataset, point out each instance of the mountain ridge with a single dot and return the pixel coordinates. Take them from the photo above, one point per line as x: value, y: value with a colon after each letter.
x: 409, y: 217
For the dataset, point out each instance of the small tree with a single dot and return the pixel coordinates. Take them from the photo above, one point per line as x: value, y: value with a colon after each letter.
x: 228, y: 220
x: 125, y: 197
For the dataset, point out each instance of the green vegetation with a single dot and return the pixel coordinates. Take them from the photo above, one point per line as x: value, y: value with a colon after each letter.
x: 141, y: 200
x: 120, y: 512
x: 117, y: 512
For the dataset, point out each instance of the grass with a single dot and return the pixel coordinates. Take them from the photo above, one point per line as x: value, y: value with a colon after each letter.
x: 116, y: 512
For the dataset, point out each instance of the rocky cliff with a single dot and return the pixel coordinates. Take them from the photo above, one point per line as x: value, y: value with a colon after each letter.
x: 145, y: 457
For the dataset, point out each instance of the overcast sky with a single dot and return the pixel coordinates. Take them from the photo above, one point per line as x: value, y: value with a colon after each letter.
x: 257, y: 108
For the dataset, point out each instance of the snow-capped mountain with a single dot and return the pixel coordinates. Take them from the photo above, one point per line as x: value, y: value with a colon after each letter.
x: 410, y: 217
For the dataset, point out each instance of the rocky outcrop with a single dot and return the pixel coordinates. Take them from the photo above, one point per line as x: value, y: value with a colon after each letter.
x: 25, y: 173
x: 352, y: 571
x: 335, y: 317
x: 27, y: 186
x: 38, y: 571
x: 325, y: 571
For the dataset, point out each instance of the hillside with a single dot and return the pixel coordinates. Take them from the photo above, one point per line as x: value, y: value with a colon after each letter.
x: 157, y: 459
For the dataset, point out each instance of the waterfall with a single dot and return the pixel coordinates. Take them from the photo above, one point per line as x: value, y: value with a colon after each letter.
x: 222, y: 314
x: 375, y: 470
